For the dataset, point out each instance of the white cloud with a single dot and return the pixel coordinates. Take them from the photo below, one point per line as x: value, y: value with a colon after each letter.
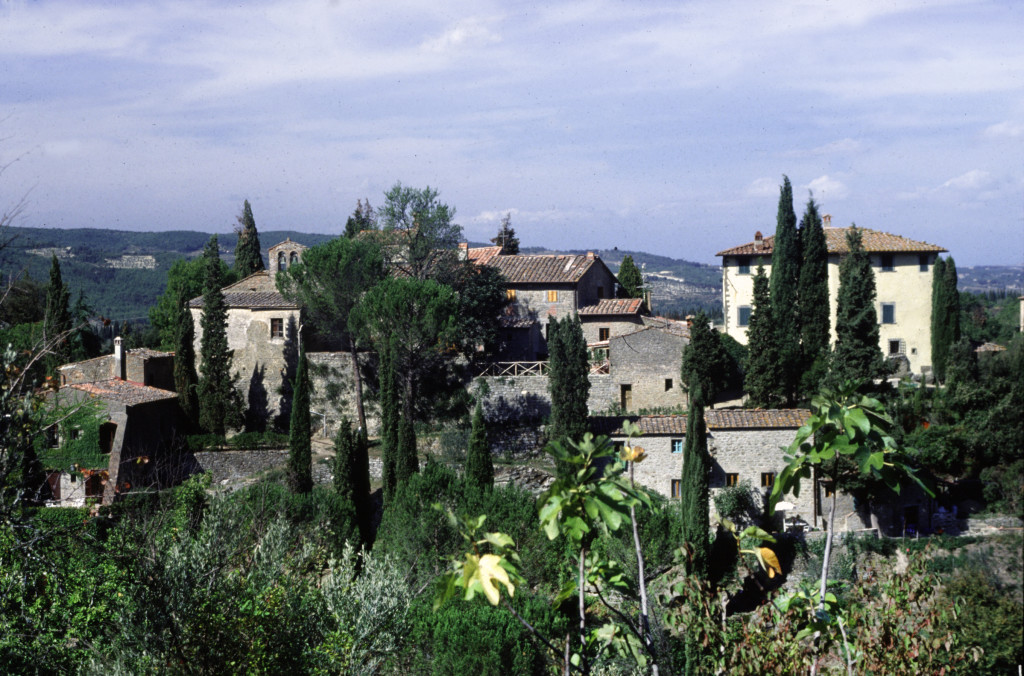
x: 466, y: 33
x: 763, y: 187
x: 1003, y: 129
x: 824, y: 188
x: 972, y: 180
x: 840, y: 147
x: 492, y: 216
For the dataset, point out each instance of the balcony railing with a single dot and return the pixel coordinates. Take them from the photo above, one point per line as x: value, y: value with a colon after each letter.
x: 502, y: 369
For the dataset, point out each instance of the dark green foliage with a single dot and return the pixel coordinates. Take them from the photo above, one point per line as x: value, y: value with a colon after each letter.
x: 363, y: 218
x: 220, y: 404
x: 23, y: 303
x: 56, y: 320
x: 988, y: 619
x: 389, y: 419
x: 406, y: 461
x: 856, y: 356
x: 479, y: 466
x: 185, y: 279
x: 352, y: 475
x: 568, y: 382
x: 248, y: 253
x: 764, y: 380
x: 706, y: 364
x: 630, y: 279
x: 694, y: 489
x: 814, y: 302
x: 185, y: 380
x: 481, y: 293
x: 300, y: 454
x: 785, y: 287
x: 945, y: 314
x: 506, y: 238
x: 421, y: 230
x: 83, y: 343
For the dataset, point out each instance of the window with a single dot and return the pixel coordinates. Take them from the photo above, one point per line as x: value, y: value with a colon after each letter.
x: 743, y: 265
x: 74, y: 434
x: 510, y: 294
x: 732, y: 479
x: 894, y: 347
x: 603, y: 333
x: 887, y: 263
x: 677, y: 488
x: 828, y: 490
x: 294, y: 258
x: 767, y: 479
x: 888, y: 313
x: 668, y: 384
x: 282, y: 262
x: 552, y: 296
x: 277, y: 328
x: 744, y: 316
x: 677, y: 445
x: 923, y: 261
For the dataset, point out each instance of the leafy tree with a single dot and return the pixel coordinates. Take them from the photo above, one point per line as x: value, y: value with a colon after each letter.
x: 24, y: 302
x: 248, y: 253
x: 424, y: 238
x: 83, y: 343
x: 352, y: 475
x: 763, y: 379
x: 479, y: 465
x: 363, y: 218
x: 814, y: 300
x: 220, y: 404
x: 57, y: 320
x: 300, y: 454
x: 506, y: 238
x: 185, y: 381
x: 785, y: 285
x: 481, y: 292
x: 630, y: 279
x: 185, y: 278
x: 856, y: 355
x: 945, y: 314
x: 568, y: 381
x: 706, y: 364
x: 327, y: 284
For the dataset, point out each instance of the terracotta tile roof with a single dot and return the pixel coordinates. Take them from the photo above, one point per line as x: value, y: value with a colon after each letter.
x: 715, y: 419
x: 613, y: 306
x: 990, y: 347
x: 673, y: 326
x: 124, y: 391
x: 147, y: 353
x: 874, y: 241
x: 256, y: 291
x: 543, y: 269
x: 482, y: 255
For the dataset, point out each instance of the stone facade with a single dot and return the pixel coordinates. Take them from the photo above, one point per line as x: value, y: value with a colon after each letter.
x: 334, y: 390
x: 519, y: 399
x: 144, y: 366
x: 645, y: 368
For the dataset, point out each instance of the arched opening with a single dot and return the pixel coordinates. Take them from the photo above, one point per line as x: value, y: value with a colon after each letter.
x: 294, y: 258
x: 282, y: 262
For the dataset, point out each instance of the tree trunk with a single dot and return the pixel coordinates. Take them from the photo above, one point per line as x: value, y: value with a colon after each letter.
x: 826, y: 559
x: 584, y: 664
x: 645, y: 625
x: 358, y: 382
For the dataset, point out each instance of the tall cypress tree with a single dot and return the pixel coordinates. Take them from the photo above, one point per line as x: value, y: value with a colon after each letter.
x: 352, y: 475
x: 248, y: 255
x: 388, y: 420
x: 814, y: 302
x: 185, y: 381
x: 57, y: 319
x: 857, y: 355
x: 694, y: 488
x: 630, y: 279
x: 763, y: 379
x: 406, y: 461
x: 706, y: 364
x: 945, y: 315
x: 785, y: 284
x: 568, y: 379
x: 220, y: 405
x: 300, y: 454
x: 479, y: 465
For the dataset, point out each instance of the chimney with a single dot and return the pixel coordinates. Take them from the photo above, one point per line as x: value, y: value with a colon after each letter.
x: 463, y: 251
x: 119, y: 360
x: 758, y: 241
x: 827, y: 220
x: 590, y: 255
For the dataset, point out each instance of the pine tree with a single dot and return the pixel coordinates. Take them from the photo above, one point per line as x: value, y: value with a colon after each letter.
x: 945, y: 315
x: 857, y: 356
x: 506, y: 238
x: 814, y: 301
x: 220, y: 405
x: 248, y: 254
x: 630, y: 279
x: 57, y: 319
x: 363, y: 218
x: 763, y: 379
x: 568, y: 380
x: 389, y: 421
x: 300, y: 455
x: 694, y: 488
x: 785, y: 284
x: 479, y: 465
x: 352, y: 475
x: 706, y: 364
x: 185, y: 381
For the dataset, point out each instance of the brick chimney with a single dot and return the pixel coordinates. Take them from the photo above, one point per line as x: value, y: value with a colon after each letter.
x: 463, y: 251
x: 827, y: 220
x: 590, y: 255
x: 758, y: 241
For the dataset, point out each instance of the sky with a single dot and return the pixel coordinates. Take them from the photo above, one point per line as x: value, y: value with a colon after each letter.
x: 663, y: 127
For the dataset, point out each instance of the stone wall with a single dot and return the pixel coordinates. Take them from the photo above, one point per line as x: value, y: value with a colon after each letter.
x: 524, y: 399
x: 649, y: 361
x: 236, y: 465
x: 334, y: 390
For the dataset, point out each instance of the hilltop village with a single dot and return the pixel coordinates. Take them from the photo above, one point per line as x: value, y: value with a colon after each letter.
x: 395, y: 372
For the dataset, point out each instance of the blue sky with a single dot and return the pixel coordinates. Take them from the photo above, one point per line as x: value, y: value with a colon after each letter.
x: 664, y: 127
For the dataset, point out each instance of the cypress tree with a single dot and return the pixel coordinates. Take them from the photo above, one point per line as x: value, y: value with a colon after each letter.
x: 300, y: 455
x: 568, y: 381
x: 763, y: 379
x: 361, y: 219
x: 352, y: 475
x: 248, y: 254
x: 388, y: 421
x: 479, y: 465
x: 814, y: 300
x: 694, y: 488
x: 856, y: 356
x: 406, y: 462
x: 785, y: 284
x: 940, y: 338
x: 220, y: 405
x: 506, y: 238
x: 630, y: 279
x: 57, y: 319
x: 706, y: 364
x: 185, y: 381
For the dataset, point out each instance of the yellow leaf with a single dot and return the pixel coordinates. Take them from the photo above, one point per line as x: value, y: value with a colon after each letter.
x: 633, y: 453
x: 487, y: 572
x: 772, y: 561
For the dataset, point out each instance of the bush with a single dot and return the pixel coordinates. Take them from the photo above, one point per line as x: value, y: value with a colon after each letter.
x: 740, y: 504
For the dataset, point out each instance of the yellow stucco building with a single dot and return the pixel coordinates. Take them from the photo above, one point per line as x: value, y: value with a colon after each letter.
x: 903, y: 278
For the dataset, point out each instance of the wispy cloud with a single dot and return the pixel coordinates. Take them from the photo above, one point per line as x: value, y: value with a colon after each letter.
x: 1006, y: 129
x: 826, y: 188
x: 971, y: 180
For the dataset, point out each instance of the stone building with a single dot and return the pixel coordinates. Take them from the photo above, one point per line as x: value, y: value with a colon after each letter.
x: 645, y: 365
x: 903, y: 276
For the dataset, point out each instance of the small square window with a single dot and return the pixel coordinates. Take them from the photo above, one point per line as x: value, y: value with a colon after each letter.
x: 743, y: 266
x: 277, y: 328
x: 767, y: 479
x: 732, y: 479
x: 677, y: 445
x: 828, y: 490
x: 510, y: 294
x: 888, y: 313
x: 74, y: 434
x: 894, y: 347
x: 668, y: 384
x: 552, y: 296
x: 923, y: 261
x: 743, y: 318
x: 887, y: 263
x: 603, y: 333
x: 677, y: 488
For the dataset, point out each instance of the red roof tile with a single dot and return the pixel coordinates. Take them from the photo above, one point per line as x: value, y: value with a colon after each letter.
x: 482, y: 255
x: 613, y: 306
x: 715, y: 419
x: 543, y: 269
x: 258, y: 290
x: 874, y: 241
x: 124, y: 391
